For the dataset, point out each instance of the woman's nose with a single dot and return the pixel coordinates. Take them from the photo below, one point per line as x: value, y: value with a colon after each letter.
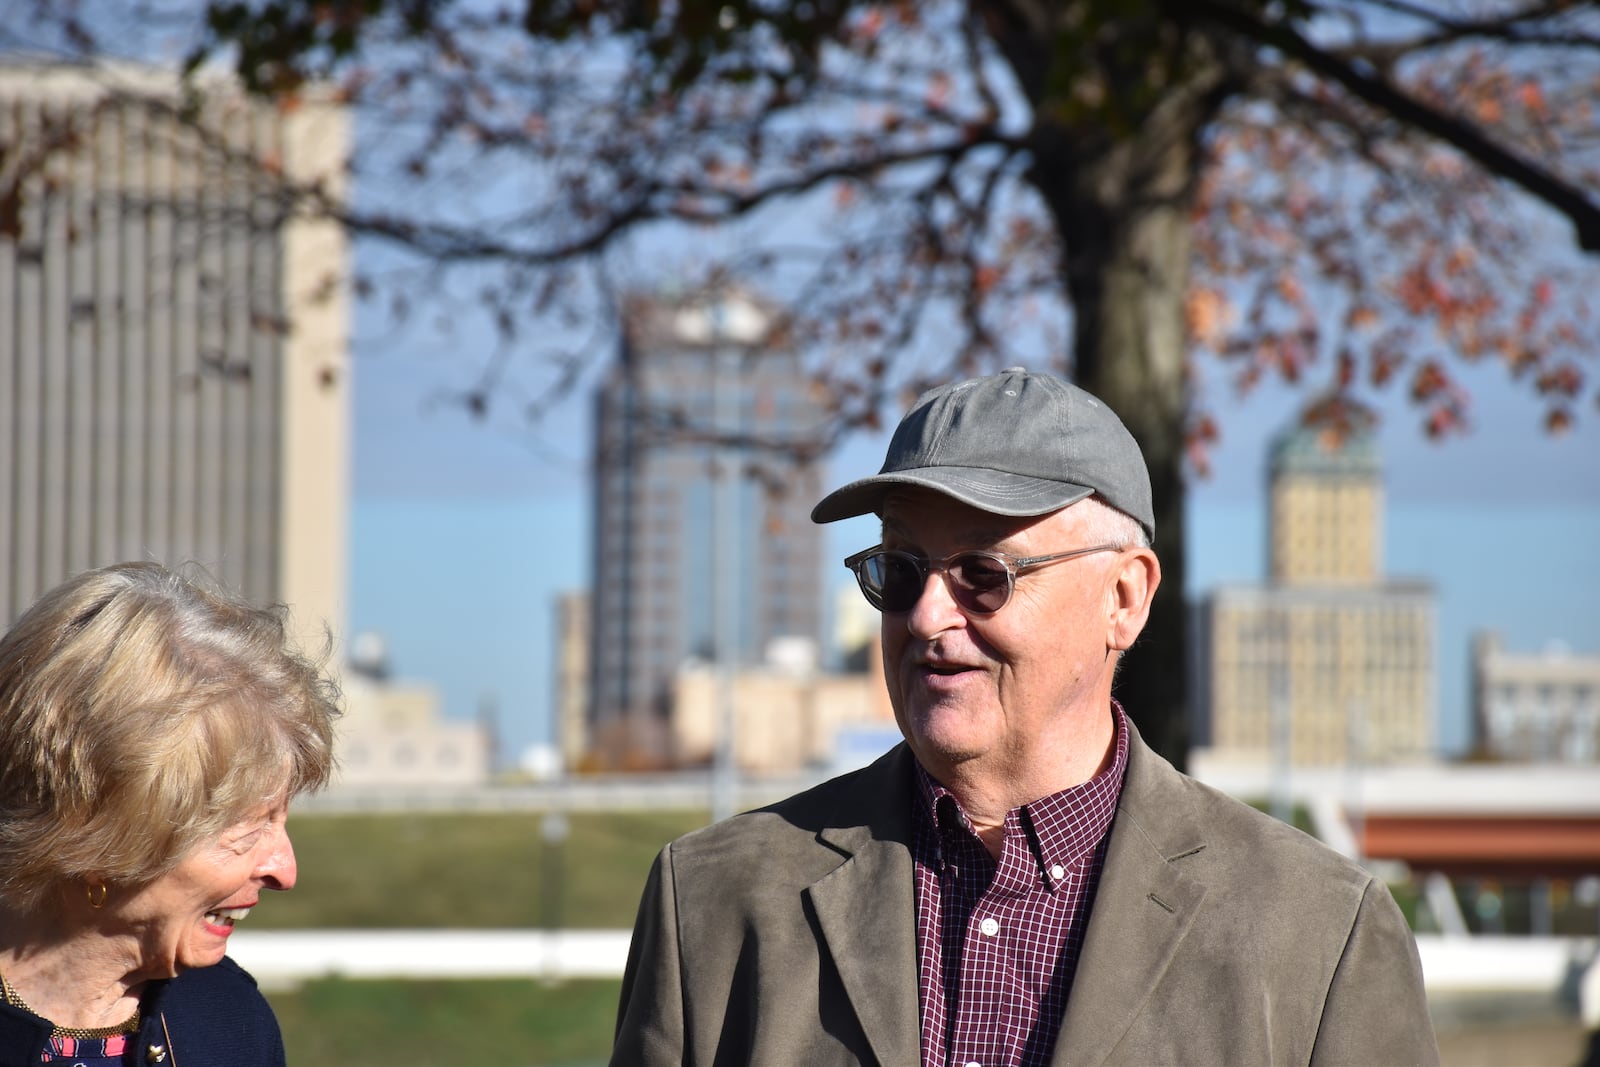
x: 278, y: 869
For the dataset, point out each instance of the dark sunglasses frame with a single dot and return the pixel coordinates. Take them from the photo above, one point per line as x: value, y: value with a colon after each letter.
x: 965, y: 594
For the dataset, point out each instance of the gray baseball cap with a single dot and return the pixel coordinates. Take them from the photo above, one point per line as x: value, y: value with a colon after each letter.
x: 1014, y: 443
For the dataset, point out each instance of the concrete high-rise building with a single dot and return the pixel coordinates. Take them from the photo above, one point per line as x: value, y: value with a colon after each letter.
x: 703, y: 485
x: 174, y: 376
x: 1329, y: 662
x: 570, y: 699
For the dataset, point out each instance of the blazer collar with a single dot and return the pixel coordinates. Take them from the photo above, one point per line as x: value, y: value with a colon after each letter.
x: 866, y: 907
x: 1143, y: 909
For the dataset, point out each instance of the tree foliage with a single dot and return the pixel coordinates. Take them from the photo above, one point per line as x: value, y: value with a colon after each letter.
x: 1356, y: 195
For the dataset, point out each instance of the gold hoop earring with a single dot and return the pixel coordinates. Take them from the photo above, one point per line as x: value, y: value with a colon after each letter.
x: 100, y: 902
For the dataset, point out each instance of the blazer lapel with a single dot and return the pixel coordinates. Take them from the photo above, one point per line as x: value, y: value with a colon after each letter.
x: 1143, y: 909
x: 866, y: 910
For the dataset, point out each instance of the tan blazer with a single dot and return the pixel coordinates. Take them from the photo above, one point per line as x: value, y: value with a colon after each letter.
x: 1218, y: 936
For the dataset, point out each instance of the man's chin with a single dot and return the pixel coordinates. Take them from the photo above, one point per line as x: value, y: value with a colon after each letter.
x: 940, y: 752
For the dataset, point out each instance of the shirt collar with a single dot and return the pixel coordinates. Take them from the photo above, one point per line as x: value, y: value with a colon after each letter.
x: 1063, y: 828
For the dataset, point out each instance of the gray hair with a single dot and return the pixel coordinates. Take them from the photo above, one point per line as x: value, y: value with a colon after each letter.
x: 1103, y: 523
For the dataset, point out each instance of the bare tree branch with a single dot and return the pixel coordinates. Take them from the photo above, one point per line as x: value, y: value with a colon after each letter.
x: 1576, y: 203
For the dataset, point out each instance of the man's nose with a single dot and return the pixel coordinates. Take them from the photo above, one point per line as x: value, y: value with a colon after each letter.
x: 935, y: 610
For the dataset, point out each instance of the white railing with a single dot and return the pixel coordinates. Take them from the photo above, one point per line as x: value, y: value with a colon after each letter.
x: 1449, y: 964
x: 288, y: 957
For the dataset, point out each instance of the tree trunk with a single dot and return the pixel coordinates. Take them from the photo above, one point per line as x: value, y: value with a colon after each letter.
x: 1122, y: 207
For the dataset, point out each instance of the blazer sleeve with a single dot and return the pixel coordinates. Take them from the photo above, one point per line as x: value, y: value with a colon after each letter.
x: 1376, y: 1011
x: 650, y: 1019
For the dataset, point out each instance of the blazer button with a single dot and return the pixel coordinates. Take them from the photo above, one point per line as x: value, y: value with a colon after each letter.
x: 156, y: 1054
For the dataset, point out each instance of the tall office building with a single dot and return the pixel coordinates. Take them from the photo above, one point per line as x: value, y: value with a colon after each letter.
x: 173, y: 343
x: 703, y: 542
x: 1328, y: 662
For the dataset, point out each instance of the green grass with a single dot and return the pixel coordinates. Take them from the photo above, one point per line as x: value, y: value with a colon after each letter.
x: 338, y: 1023
x: 475, y: 871
x: 469, y: 871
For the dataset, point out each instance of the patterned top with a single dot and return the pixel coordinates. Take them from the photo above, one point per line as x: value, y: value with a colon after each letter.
x: 86, y: 1051
x: 997, y: 943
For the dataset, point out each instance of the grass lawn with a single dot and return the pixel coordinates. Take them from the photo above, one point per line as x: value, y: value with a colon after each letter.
x: 472, y: 870
x: 338, y: 1023
x: 476, y: 870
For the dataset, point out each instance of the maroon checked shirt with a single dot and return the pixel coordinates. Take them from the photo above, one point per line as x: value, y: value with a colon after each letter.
x: 997, y: 943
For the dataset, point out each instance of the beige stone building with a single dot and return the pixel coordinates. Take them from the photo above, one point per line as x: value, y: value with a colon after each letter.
x: 392, y: 734
x: 174, y: 377
x: 570, y: 701
x: 1536, y: 706
x: 1329, y: 662
x: 788, y: 717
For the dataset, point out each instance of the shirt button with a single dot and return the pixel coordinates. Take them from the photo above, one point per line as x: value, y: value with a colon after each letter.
x: 989, y: 928
x: 1058, y: 872
x: 973, y: 1063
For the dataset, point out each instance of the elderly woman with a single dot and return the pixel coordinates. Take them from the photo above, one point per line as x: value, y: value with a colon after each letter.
x: 153, y: 730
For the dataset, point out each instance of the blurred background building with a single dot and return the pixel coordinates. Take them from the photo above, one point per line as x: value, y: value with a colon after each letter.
x: 569, y: 703
x: 175, y: 376
x: 392, y: 733
x: 155, y: 400
x: 1328, y: 662
x: 789, y: 715
x: 1535, y: 706
x: 704, y: 476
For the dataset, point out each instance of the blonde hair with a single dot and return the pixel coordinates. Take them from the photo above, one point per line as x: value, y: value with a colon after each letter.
x: 143, y: 711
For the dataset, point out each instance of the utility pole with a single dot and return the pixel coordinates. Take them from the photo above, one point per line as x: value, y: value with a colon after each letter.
x: 727, y: 370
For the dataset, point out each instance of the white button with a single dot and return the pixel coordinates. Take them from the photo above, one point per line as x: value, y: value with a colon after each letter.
x: 989, y: 927
x: 974, y: 1063
x: 1058, y: 872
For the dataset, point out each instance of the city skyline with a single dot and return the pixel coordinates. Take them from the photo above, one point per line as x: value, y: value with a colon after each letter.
x: 434, y: 489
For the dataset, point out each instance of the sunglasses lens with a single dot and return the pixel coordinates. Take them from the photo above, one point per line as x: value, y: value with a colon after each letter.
x: 893, y: 580
x: 980, y: 583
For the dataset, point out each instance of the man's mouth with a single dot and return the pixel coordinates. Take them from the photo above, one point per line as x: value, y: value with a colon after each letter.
x: 946, y: 668
x: 226, y: 917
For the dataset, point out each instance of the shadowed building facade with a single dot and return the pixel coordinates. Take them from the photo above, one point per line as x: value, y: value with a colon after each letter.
x: 1329, y: 662
x: 704, y: 550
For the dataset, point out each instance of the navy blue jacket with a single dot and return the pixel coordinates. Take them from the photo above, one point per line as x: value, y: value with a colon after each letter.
x: 210, y: 1017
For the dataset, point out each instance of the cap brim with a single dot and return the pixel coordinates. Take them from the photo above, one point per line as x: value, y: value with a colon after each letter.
x: 993, y: 491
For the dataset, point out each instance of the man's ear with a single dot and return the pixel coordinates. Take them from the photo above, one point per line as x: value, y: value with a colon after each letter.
x: 1129, y: 596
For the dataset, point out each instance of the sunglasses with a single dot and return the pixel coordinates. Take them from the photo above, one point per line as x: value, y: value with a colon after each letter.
x: 979, y: 582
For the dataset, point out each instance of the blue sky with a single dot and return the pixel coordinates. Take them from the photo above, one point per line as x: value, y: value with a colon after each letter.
x: 463, y: 532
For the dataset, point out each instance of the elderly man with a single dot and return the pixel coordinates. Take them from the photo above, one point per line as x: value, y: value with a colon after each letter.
x: 1023, y: 882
